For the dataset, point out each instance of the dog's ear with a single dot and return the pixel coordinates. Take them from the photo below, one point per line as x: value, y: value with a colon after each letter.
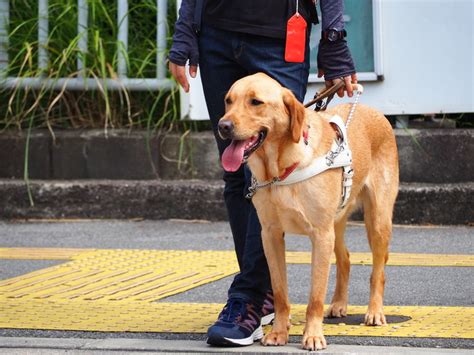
x: 296, y: 112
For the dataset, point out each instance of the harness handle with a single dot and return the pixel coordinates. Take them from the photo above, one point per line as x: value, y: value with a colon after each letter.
x: 329, y: 94
x: 326, y: 93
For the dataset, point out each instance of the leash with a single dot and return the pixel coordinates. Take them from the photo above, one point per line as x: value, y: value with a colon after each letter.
x: 360, y: 89
x: 329, y: 93
x: 326, y: 93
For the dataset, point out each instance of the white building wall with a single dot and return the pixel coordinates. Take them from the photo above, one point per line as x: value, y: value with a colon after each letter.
x: 424, y: 50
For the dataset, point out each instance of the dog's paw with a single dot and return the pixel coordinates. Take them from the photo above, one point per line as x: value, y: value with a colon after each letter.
x: 375, y: 317
x: 314, y: 342
x: 275, y: 338
x: 336, y: 310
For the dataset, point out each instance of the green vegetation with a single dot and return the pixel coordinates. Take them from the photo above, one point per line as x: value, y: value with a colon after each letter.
x: 102, y: 108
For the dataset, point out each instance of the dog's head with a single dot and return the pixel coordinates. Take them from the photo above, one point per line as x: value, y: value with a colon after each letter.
x: 258, y: 110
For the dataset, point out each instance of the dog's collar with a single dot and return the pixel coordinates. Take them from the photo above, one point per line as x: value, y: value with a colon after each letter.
x: 339, y: 156
x: 255, y: 185
x: 287, y: 172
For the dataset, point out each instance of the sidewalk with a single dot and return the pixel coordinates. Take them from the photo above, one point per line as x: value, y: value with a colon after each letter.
x: 90, y: 286
x: 149, y: 346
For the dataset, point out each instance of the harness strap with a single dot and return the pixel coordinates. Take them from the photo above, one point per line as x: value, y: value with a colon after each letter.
x: 339, y: 156
x: 335, y: 158
x: 255, y: 185
x: 347, y: 175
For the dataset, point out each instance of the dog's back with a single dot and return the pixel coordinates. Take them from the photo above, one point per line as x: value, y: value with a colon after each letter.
x: 374, y: 149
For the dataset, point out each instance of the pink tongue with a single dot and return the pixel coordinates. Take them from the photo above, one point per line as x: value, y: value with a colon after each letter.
x: 234, y: 154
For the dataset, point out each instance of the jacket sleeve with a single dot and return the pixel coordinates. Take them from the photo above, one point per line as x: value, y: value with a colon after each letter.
x: 332, y: 14
x: 334, y: 58
x: 185, y: 39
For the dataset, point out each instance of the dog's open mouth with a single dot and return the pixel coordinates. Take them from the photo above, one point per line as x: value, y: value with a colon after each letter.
x: 239, y: 150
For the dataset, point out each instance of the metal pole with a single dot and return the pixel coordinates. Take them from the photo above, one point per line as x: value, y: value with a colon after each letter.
x: 85, y: 84
x: 82, y: 22
x: 161, y: 33
x: 43, y: 29
x: 122, y: 38
x: 4, y: 23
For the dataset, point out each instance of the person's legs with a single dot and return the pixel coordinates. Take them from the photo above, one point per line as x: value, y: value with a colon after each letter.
x: 239, y: 321
x: 218, y: 72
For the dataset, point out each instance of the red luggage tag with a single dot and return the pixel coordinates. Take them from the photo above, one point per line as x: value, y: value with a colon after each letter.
x: 295, y: 38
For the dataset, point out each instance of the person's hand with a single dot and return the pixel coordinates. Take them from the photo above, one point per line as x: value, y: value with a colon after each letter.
x: 179, y: 73
x: 349, y: 80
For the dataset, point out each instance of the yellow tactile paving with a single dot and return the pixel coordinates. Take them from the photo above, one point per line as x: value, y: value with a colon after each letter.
x: 116, y: 290
x: 117, y: 275
x: 292, y: 257
x: 395, y: 259
x: 40, y: 253
x: 426, y: 322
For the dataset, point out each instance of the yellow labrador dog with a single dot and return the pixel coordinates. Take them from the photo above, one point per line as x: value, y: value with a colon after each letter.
x: 271, y: 130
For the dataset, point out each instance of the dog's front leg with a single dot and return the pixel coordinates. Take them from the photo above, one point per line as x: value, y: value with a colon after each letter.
x: 322, y: 248
x: 274, y: 246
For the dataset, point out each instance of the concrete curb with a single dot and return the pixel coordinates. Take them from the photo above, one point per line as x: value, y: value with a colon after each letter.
x: 417, y: 203
x: 117, y: 199
x: 190, y: 346
x: 429, y: 155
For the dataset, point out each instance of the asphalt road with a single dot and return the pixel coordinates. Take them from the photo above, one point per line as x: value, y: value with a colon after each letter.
x: 405, y: 285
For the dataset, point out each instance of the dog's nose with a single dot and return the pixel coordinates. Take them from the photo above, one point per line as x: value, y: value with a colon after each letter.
x: 226, y: 128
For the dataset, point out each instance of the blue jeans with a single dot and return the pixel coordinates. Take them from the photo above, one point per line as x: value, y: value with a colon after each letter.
x: 225, y: 57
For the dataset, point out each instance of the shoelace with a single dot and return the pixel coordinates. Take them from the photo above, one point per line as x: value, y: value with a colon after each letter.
x: 233, y: 309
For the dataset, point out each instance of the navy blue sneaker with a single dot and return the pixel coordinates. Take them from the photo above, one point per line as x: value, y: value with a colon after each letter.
x: 237, y: 325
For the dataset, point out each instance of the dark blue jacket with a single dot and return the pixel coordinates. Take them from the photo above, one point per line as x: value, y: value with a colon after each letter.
x: 333, y: 58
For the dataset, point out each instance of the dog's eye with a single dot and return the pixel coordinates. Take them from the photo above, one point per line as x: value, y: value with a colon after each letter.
x: 228, y: 101
x: 256, y: 102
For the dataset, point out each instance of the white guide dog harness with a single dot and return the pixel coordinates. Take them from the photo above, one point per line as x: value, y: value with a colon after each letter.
x: 339, y: 156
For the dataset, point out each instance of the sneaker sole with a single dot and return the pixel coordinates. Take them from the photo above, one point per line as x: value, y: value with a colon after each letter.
x: 266, y: 320
x: 223, y: 341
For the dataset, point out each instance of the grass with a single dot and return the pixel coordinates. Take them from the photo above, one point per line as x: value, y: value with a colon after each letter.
x: 102, y: 108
